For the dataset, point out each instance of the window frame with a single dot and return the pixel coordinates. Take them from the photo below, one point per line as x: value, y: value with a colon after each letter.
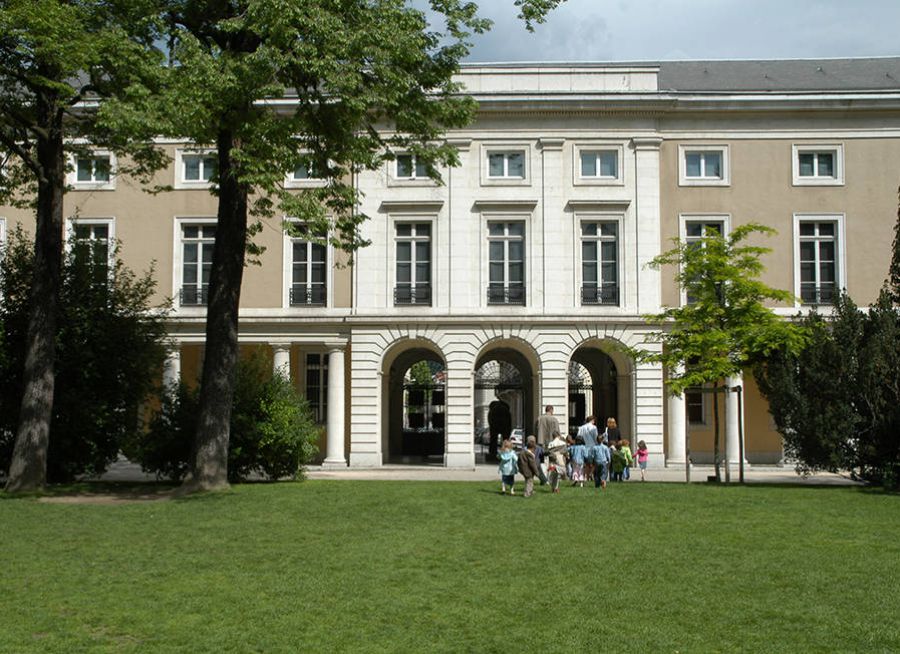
x: 506, y: 219
x: 178, y: 259
x: 704, y: 408
x: 414, y: 221
x: 288, y: 270
x: 685, y: 218
x: 181, y: 182
x: 618, y: 219
x: 91, y: 185
x: 321, y: 406
x: 685, y: 148
x: 837, y: 149
x: 290, y: 181
x: 506, y: 149
x: 580, y: 180
x: 840, y: 254
x: 108, y: 221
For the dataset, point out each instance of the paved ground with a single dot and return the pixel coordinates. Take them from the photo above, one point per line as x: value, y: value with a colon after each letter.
x: 124, y: 470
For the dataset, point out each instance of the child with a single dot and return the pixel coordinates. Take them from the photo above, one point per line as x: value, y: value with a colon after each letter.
x: 629, y: 458
x: 508, y: 467
x: 618, y: 462
x: 578, y: 455
x: 528, y: 465
x: 642, y: 456
x: 557, y: 454
x: 601, y: 455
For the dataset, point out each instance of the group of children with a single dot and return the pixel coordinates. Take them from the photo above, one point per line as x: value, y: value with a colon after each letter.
x: 600, y: 460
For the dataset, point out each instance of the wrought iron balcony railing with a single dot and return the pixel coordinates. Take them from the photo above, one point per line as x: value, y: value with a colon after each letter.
x: 418, y: 294
x: 193, y: 295
x: 606, y: 293
x: 308, y: 295
x: 500, y: 294
x: 815, y: 294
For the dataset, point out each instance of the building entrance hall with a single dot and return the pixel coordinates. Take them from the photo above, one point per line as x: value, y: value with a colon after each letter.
x: 416, y: 399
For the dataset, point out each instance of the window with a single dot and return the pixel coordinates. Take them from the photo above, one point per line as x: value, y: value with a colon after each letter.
x: 306, y: 171
x: 506, y: 263
x: 506, y: 164
x: 695, y: 229
x: 818, y: 250
x: 317, y: 385
x: 90, y: 242
x: 600, y: 262
x: 413, y: 264
x: 818, y: 165
x: 308, y: 268
x: 695, y: 404
x: 703, y: 165
x: 92, y: 171
x: 409, y: 167
x: 197, y: 243
x: 195, y: 169
x: 599, y: 164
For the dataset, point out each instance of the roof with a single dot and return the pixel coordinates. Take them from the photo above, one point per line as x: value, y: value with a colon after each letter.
x: 781, y: 75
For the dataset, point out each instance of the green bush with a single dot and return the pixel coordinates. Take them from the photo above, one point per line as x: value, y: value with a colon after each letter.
x: 272, y: 430
x: 109, y: 353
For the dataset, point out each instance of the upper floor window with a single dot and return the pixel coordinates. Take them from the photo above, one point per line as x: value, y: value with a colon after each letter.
x: 697, y: 229
x: 409, y: 167
x: 306, y: 171
x: 506, y: 165
x: 818, y: 165
x: 308, y: 270
x: 506, y: 263
x: 94, y: 171
x: 413, y: 244
x: 197, y: 242
x: 705, y: 165
x: 600, y: 262
x: 195, y: 169
x: 90, y: 242
x: 599, y: 164
x: 818, y: 255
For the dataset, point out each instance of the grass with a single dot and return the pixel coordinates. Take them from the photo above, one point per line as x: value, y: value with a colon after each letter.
x: 324, y: 566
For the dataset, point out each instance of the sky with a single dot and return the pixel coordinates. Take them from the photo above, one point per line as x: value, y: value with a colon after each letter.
x: 653, y: 30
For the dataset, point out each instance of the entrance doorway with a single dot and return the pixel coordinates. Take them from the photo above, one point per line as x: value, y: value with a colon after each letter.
x: 416, y: 413
x: 504, y: 401
x: 593, y: 388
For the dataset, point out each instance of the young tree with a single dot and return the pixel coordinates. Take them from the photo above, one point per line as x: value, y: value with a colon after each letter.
x: 725, y: 327
x: 53, y: 57
x: 275, y: 86
x: 893, y: 280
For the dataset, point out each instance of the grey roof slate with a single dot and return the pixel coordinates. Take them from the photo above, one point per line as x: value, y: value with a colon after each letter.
x: 781, y: 75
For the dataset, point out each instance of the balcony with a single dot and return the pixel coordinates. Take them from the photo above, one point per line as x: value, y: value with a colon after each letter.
x: 606, y: 293
x: 192, y: 295
x: 308, y: 295
x: 408, y: 294
x: 815, y: 294
x: 514, y: 294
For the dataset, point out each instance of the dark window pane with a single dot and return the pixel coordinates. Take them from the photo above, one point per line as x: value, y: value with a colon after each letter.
x: 807, y: 164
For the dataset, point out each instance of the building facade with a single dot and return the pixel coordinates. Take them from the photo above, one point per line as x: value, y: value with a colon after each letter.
x: 520, y: 280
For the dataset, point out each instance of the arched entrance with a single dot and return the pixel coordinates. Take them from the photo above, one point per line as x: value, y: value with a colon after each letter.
x: 504, y: 400
x: 416, y: 398
x: 596, y: 388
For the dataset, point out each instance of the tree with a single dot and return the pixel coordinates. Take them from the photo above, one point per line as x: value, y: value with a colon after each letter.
x: 725, y: 327
x: 110, y: 349
x: 53, y: 56
x: 362, y: 80
x: 893, y: 280
x: 836, y: 402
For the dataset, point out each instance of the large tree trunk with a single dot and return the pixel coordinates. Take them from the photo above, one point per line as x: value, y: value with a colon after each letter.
x: 28, y: 468
x: 210, y: 464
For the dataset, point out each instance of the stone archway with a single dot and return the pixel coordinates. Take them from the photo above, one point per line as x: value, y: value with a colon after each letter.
x: 600, y: 384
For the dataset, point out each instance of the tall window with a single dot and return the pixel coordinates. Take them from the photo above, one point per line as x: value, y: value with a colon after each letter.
x: 317, y: 385
x: 695, y: 406
x: 509, y: 165
x: 413, y: 264
x: 90, y: 245
x: 694, y: 233
x: 818, y: 262
x: 506, y: 263
x: 308, y: 267
x: 599, y: 262
x: 197, y: 248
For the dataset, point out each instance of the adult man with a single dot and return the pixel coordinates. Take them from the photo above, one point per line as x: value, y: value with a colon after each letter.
x: 547, y: 426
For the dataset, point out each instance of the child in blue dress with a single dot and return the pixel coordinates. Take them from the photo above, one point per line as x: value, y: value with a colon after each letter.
x: 577, y: 456
x: 508, y: 467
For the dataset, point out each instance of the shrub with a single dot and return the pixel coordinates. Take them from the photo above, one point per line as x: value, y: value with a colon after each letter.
x: 109, y: 352
x: 272, y: 430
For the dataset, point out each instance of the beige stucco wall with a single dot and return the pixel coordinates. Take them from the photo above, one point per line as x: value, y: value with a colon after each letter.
x: 145, y: 228
x: 761, y: 190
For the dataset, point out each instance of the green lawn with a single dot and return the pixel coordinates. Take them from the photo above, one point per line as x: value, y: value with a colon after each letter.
x: 326, y: 566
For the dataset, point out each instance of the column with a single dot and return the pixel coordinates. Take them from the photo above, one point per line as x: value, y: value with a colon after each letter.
x: 647, y: 240
x: 334, y: 450
x: 172, y: 366
x: 733, y: 421
x: 677, y: 426
x: 281, y: 359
